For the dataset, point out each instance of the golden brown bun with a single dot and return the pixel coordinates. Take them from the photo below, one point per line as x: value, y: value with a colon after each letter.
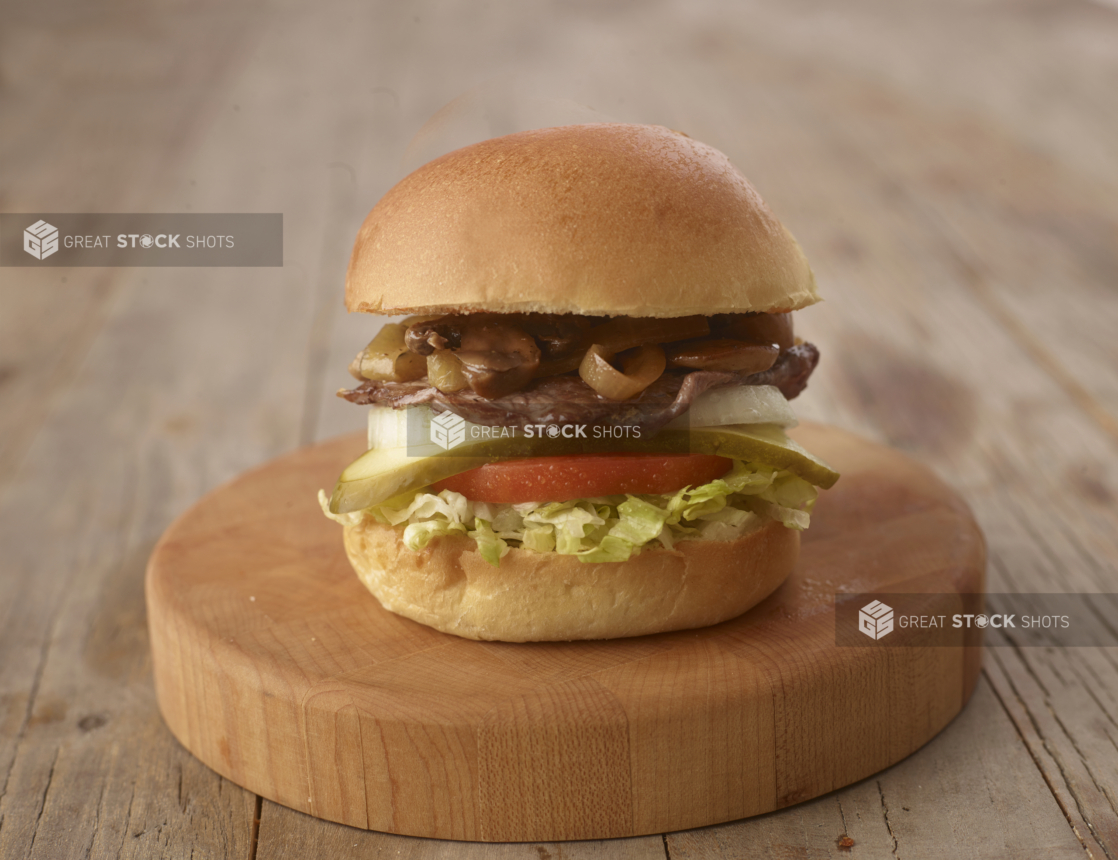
x: 590, y: 219
x: 547, y: 597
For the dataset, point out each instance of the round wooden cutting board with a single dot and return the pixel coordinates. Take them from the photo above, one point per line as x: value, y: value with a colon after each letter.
x: 277, y: 668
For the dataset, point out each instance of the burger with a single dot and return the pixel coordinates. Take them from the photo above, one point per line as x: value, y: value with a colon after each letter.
x: 577, y: 429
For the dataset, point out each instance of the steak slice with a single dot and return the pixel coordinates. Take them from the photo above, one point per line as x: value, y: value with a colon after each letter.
x: 568, y: 400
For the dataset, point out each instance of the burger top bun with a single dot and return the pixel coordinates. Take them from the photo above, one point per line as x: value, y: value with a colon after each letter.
x: 601, y: 219
x: 547, y: 597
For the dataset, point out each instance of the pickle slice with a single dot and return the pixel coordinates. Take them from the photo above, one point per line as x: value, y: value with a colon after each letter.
x: 383, y: 473
x: 763, y: 443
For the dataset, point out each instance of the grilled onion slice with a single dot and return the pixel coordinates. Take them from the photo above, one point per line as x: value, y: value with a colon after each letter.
x: 640, y: 367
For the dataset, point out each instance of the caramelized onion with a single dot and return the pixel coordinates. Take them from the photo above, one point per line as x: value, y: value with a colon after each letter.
x: 621, y: 333
x: 736, y: 356
x: 640, y: 367
x: 445, y: 372
x: 386, y: 358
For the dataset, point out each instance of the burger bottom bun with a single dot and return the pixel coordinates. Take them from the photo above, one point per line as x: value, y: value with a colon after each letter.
x: 547, y: 597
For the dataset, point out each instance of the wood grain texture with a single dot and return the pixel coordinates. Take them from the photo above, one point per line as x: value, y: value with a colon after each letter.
x: 949, y: 168
x: 277, y: 669
x: 892, y: 814
x: 86, y: 155
x: 288, y: 835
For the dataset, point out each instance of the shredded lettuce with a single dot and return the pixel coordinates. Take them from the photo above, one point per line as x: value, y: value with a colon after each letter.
x: 610, y: 528
x: 489, y: 545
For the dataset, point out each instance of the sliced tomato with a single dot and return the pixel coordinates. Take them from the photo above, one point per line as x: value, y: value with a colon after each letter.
x: 557, y: 479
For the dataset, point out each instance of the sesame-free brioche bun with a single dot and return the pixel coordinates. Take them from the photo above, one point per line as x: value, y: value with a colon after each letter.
x: 546, y: 597
x: 601, y: 219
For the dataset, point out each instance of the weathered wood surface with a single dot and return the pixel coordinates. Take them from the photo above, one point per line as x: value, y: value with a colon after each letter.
x: 950, y: 168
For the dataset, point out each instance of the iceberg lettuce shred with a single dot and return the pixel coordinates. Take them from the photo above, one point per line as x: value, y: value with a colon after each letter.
x: 609, y: 528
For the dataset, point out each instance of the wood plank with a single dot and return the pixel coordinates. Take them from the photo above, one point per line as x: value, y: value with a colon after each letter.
x: 287, y: 835
x: 971, y: 792
x: 1062, y: 705
x: 74, y: 612
x: 108, y: 779
x: 91, y: 770
x: 71, y: 140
